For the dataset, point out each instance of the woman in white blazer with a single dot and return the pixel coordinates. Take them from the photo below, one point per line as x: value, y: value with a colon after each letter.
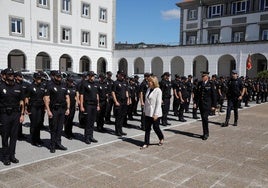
x: 153, y: 111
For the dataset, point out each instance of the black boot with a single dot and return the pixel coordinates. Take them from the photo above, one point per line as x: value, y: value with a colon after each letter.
x: 235, y: 123
x: 226, y: 123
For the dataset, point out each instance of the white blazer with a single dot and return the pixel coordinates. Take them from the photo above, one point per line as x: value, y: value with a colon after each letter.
x: 153, y: 103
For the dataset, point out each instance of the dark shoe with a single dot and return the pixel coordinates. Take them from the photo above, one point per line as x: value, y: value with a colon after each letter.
x: 182, y: 120
x: 13, y: 159
x: 222, y: 111
x: 130, y: 118
x: 93, y: 140
x: 196, y: 117
x: 36, y: 144
x: 247, y: 105
x: 118, y: 134
x: 87, y: 141
x: 164, y: 124
x: 61, y: 147
x: 6, y: 162
x: 225, y: 124
x: 205, y: 137
x: 22, y: 137
x: 123, y: 133
x: 69, y: 137
x: 52, y: 150
x: 108, y: 122
x: 235, y: 123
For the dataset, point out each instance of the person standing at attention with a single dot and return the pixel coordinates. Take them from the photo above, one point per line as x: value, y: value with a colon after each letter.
x: 153, y: 111
x: 206, y: 100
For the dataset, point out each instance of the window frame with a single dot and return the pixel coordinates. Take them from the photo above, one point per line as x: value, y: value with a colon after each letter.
x: 264, y: 33
x: 104, y: 45
x: 191, y: 40
x: 64, y: 6
x: 22, y: 27
x: 192, y: 14
x: 214, y: 40
x: 101, y: 19
x: 237, y: 36
x: 82, y: 10
x: 218, y: 13
x: 47, y: 32
x: 236, y: 7
x: 64, y: 29
x: 88, y: 43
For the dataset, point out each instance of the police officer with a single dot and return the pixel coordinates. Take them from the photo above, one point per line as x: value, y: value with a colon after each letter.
x: 183, y: 95
x: 24, y: 85
x: 68, y: 122
x: 189, y: 86
x: 103, y: 99
x: 165, y: 86
x: 81, y: 115
x: 133, y: 98
x: 176, y: 99
x: 110, y: 82
x: 222, y: 89
x: 121, y: 100
x: 57, y: 102
x: 34, y: 107
x: 206, y: 100
x: 137, y: 90
x: 90, y: 104
x: 195, y: 93
x: 11, y: 115
x: 235, y: 93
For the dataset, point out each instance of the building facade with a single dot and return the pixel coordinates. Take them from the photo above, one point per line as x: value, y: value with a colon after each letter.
x: 69, y: 35
x: 215, y: 36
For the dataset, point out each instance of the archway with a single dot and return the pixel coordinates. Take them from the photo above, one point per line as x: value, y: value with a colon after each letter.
x: 123, y: 66
x: 42, y: 61
x: 226, y: 64
x: 177, y: 66
x: 101, y: 65
x: 157, y: 67
x: 139, y: 66
x: 16, y: 60
x: 65, y: 63
x: 259, y: 63
x: 84, y: 64
x: 200, y: 63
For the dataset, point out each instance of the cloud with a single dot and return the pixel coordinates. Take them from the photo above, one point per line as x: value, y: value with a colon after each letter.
x: 171, y: 14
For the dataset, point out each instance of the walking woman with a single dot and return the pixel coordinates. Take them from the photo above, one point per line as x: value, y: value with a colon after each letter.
x: 153, y: 111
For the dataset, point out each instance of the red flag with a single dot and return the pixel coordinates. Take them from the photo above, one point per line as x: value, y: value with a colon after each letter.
x: 249, y: 62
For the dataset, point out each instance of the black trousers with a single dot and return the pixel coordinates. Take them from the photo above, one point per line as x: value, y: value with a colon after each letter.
x: 91, y: 113
x: 165, y: 109
x: 68, y: 121
x: 10, y: 124
x: 183, y: 107
x: 120, y: 113
x: 36, y: 119
x: 149, y: 121
x: 204, y: 112
x: 56, y: 126
x: 109, y: 108
x: 101, y: 114
x: 232, y: 104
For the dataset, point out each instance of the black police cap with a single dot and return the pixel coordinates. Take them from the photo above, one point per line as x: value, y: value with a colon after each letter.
x: 147, y: 74
x: 37, y: 75
x: 91, y: 73
x: 18, y: 73
x: 120, y: 72
x: 102, y: 75
x: 57, y: 73
x: 9, y: 71
x: 166, y: 74
x: 204, y: 72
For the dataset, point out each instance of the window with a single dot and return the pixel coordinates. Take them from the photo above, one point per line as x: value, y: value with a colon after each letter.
x: 240, y: 7
x: 66, y: 6
x: 85, y: 38
x: 66, y: 35
x: 103, y: 14
x: 238, y: 37
x: 85, y: 10
x: 192, y: 14
x: 265, y: 34
x: 42, y: 3
x: 263, y: 4
x: 43, y: 31
x: 213, y: 38
x: 102, y: 40
x: 215, y: 10
x: 16, y: 26
x: 191, y: 40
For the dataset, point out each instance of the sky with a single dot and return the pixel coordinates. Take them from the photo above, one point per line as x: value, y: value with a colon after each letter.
x: 148, y: 21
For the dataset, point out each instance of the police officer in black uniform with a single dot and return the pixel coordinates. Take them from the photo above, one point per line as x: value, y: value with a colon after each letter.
x: 103, y: 99
x: 183, y: 95
x: 68, y: 122
x: 133, y: 98
x: 165, y: 86
x: 57, y: 102
x: 34, y: 107
x: 189, y: 86
x: 194, y: 94
x: 137, y: 90
x: 11, y: 115
x: 90, y: 104
x: 176, y: 99
x: 110, y: 82
x: 121, y: 101
x: 143, y: 88
x: 235, y: 93
x: 206, y: 99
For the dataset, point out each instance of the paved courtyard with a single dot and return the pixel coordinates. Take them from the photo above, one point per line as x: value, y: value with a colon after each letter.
x: 231, y: 157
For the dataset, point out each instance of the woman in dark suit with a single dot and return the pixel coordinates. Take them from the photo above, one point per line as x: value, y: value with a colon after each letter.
x: 153, y: 111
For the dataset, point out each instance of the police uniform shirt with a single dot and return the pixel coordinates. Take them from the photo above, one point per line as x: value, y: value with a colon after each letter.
x: 71, y: 90
x: 143, y: 88
x: 102, y: 90
x: 165, y: 86
x: 183, y: 89
x: 10, y: 95
x: 206, y: 95
x: 36, y: 93
x: 120, y: 88
x: 235, y: 87
x: 110, y: 84
x: 89, y: 90
x: 131, y: 90
x: 57, y: 93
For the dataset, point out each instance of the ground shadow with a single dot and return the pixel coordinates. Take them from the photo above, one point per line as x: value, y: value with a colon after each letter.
x: 193, y: 135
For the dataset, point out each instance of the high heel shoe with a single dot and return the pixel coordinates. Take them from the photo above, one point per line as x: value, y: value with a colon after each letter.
x: 161, y: 142
x: 144, y: 146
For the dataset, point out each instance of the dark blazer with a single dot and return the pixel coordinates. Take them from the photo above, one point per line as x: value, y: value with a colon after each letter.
x: 206, y: 96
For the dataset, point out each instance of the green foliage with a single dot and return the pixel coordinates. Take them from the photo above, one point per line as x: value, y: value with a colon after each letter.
x: 263, y: 74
